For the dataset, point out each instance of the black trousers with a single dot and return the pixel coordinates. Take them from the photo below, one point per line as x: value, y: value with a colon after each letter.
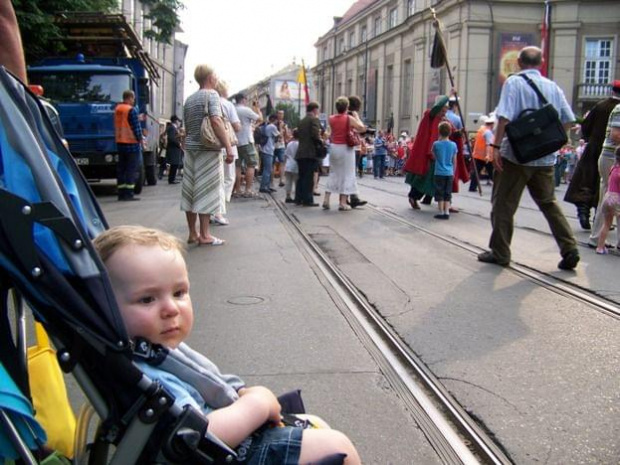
x: 305, y: 184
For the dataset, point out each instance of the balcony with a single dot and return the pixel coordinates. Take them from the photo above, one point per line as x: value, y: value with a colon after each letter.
x: 593, y: 91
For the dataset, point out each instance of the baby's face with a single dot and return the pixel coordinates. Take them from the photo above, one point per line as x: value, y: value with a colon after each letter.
x: 151, y: 287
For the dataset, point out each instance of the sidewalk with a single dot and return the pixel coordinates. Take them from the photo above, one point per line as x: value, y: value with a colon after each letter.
x: 262, y: 313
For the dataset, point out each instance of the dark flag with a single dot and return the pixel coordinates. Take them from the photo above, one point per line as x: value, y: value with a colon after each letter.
x: 269, y: 107
x: 438, y: 53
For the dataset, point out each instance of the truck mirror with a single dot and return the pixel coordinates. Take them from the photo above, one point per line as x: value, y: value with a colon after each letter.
x: 144, y: 91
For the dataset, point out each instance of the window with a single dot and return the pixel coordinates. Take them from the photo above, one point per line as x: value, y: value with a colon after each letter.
x: 377, y: 26
x: 363, y: 34
x: 407, y: 89
x: 361, y: 85
x: 325, y: 57
x: 351, y: 39
x: 341, y: 45
x: 349, y: 89
x: 82, y: 86
x: 597, y: 65
x: 410, y: 7
x: 393, y: 17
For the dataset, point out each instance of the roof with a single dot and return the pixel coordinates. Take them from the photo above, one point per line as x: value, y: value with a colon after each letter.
x: 351, y: 13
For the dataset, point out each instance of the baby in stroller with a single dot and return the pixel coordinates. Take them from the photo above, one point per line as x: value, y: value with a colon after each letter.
x: 150, y: 281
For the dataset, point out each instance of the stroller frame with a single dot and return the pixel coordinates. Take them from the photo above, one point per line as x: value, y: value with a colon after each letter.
x: 48, y: 216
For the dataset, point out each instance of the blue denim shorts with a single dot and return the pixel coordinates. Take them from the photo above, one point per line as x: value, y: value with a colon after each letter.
x: 271, y: 446
x: 278, y: 155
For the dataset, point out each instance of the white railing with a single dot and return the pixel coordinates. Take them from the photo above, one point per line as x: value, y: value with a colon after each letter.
x: 593, y: 91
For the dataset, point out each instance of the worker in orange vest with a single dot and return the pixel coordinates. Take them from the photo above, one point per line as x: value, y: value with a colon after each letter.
x: 129, y: 138
x: 483, y: 152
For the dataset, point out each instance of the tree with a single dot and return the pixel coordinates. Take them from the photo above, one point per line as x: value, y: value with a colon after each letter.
x: 291, y: 116
x: 165, y: 18
x: 40, y: 35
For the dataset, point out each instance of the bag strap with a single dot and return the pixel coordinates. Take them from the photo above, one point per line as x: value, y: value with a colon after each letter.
x: 541, y: 97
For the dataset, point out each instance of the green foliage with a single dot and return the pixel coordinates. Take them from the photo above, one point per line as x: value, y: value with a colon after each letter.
x: 40, y: 34
x: 165, y: 19
x: 36, y: 22
x: 291, y: 114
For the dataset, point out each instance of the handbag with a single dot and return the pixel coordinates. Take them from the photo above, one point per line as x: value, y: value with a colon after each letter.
x: 536, y: 132
x: 207, y: 135
x: 320, y: 150
x: 49, y: 395
x: 353, y: 139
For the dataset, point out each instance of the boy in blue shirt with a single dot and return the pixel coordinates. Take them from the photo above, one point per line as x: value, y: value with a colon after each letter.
x: 150, y: 281
x: 444, y: 153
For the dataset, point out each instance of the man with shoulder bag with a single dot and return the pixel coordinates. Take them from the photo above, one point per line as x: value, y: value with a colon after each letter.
x: 528, y: 105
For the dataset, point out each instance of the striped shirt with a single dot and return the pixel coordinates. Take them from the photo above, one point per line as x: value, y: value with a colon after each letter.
x: 194, y: 111
x: 517, y: 95
x: 609, y: 147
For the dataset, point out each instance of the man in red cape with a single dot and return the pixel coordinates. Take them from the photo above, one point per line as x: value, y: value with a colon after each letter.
x: 419, y: 167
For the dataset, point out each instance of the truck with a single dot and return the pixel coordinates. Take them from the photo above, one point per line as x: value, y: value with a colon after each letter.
x: 86, y: 87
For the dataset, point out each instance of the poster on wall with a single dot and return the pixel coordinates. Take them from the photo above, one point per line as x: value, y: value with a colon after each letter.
x: 289, y: 90
x: 510, y: 44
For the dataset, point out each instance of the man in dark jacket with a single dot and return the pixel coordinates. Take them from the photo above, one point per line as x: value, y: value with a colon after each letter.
x: 583, y: 190
x: 309, y: 135
x: 174, y: 150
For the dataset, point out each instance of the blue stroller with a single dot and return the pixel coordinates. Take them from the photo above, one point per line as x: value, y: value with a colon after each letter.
x: 48, y: 216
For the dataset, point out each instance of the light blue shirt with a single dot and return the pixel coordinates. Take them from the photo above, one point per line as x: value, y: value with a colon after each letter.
x: 444, y: 152
x: 271, y: 132
x: 454, y: 119
x: 517, y: 95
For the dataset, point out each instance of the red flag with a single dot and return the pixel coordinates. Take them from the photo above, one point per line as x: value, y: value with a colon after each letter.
x: 544, y: 39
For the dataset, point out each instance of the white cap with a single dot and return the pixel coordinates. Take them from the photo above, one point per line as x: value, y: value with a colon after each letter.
x: 490, y: 119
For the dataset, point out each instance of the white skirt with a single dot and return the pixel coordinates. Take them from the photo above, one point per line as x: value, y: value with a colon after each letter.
x: 341, y: 178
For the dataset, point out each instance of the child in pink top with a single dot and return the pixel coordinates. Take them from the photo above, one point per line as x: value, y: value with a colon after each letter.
x: 611, y: 204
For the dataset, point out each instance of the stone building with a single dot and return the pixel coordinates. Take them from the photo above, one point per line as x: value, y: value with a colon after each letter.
x: 282, y: 87
x: 167, y: 93
x: 380, y: 49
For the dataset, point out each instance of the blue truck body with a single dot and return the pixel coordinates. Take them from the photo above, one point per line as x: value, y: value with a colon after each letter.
x: 85, y: 93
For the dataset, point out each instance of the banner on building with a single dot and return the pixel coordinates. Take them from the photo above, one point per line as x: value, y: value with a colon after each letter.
x: 510, y: 44
x: 289, y: 90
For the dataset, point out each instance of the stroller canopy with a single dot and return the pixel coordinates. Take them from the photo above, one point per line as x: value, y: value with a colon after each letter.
x: 48, y: 214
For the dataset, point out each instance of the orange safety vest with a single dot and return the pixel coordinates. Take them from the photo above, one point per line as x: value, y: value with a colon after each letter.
x: 123, y: 131
x: 480, y: 145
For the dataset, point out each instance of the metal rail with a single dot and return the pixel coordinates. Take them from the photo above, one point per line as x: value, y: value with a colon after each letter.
x: 454, y: 435
x: 546, y: 280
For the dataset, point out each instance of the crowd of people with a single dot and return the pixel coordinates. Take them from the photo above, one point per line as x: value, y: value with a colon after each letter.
x: 434, y: 162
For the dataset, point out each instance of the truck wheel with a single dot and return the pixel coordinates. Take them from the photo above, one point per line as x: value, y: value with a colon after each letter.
x: 151, y: 177
x: 137, y: 188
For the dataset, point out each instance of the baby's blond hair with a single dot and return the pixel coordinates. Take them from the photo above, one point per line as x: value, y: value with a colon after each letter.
x: 117, y: 237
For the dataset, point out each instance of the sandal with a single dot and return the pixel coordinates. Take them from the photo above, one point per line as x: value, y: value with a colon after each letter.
x: 414, y: 204
x: 214, y: 242
x: 602, y: 251
x: 326, y: 206
x: 220, y: 220
x: 344, y: 208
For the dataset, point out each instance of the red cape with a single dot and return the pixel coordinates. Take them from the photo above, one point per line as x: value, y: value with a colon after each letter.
x: 420, y: 154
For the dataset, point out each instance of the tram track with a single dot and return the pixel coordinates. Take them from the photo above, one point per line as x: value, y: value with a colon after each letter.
x: 455, y: 436
x: 541, y: 278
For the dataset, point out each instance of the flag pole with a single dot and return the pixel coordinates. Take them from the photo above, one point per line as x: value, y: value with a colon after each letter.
x: 439, y: 35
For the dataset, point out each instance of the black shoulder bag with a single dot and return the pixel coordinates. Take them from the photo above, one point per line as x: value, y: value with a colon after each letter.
x: 536, y: 133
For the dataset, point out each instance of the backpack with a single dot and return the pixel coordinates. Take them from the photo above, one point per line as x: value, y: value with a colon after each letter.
x: 260, y: 135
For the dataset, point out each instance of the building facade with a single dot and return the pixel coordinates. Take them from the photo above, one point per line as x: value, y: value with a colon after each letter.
x: 282, y: 87
x: 167, y: 93
x: 380, y: 50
